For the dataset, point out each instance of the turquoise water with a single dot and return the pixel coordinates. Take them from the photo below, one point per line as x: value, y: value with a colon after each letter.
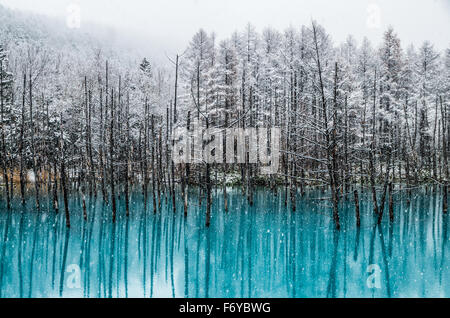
x: 260, y: 251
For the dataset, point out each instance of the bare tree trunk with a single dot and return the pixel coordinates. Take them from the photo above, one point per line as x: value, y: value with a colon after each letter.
x: 144, y: 160
x: 63, y: 175
x: 293, y: 190
x: 33, y: 147
x: 175, y: 114
x: 21, y: 145
x: 84, y: 206
x: 153, y: 165
x: 185, y: 172
x: 330, y: 138
x: 101, y: 151
x: 331, y: 151
x: 386, y: 184
x: 172, y: 166
x: 4, y: 153
x: 111, y: 159
x: 127, y: 154
x: 88, y: 111
x: 159, y: 164
x: 444, y: 138
x: 372, y: 150
x: 55, y: 187
x: 208, y: 188
x: 225, y: 166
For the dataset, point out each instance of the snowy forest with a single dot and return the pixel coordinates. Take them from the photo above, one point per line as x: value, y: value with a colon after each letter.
x: 78, y: 116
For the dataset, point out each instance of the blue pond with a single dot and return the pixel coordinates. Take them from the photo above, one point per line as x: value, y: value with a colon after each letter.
x: 265, y: 250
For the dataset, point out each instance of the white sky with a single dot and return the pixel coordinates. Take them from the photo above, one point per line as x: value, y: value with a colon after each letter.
x: 168, y: 25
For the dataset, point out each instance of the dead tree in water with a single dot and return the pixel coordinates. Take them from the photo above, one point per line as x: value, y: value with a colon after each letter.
x: 172, y: 166
x: 208, y: 188
x: 144, y: 160
x: 334, y: 155
x: 4, y: 153
x: 171, y: 172
x: 372, y: 149
x: 101, y: 151
x: 185, y: 171
x: 329, y: 137
x: 170, y: 126
x: 153, y: 164
x: 225, y: 170
x: 63, y: 174
x: 88, y: 114
x: 127, y: 154
x: 159, y: 165
x: 386, y: 185
x: 444, y: 155
x: 111, y: 159
x: 21, y: 143
x: 33, y: 147
x: 444, y: 116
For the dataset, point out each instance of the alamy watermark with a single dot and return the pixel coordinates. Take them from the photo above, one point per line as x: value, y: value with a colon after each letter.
x: 228, y: 145
x: 374, y: 279
x: 73, y: 280
x: 373, y: 16
x: 73, y: 18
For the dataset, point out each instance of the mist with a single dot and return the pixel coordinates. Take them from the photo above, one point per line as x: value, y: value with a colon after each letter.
x: 161, y: 27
